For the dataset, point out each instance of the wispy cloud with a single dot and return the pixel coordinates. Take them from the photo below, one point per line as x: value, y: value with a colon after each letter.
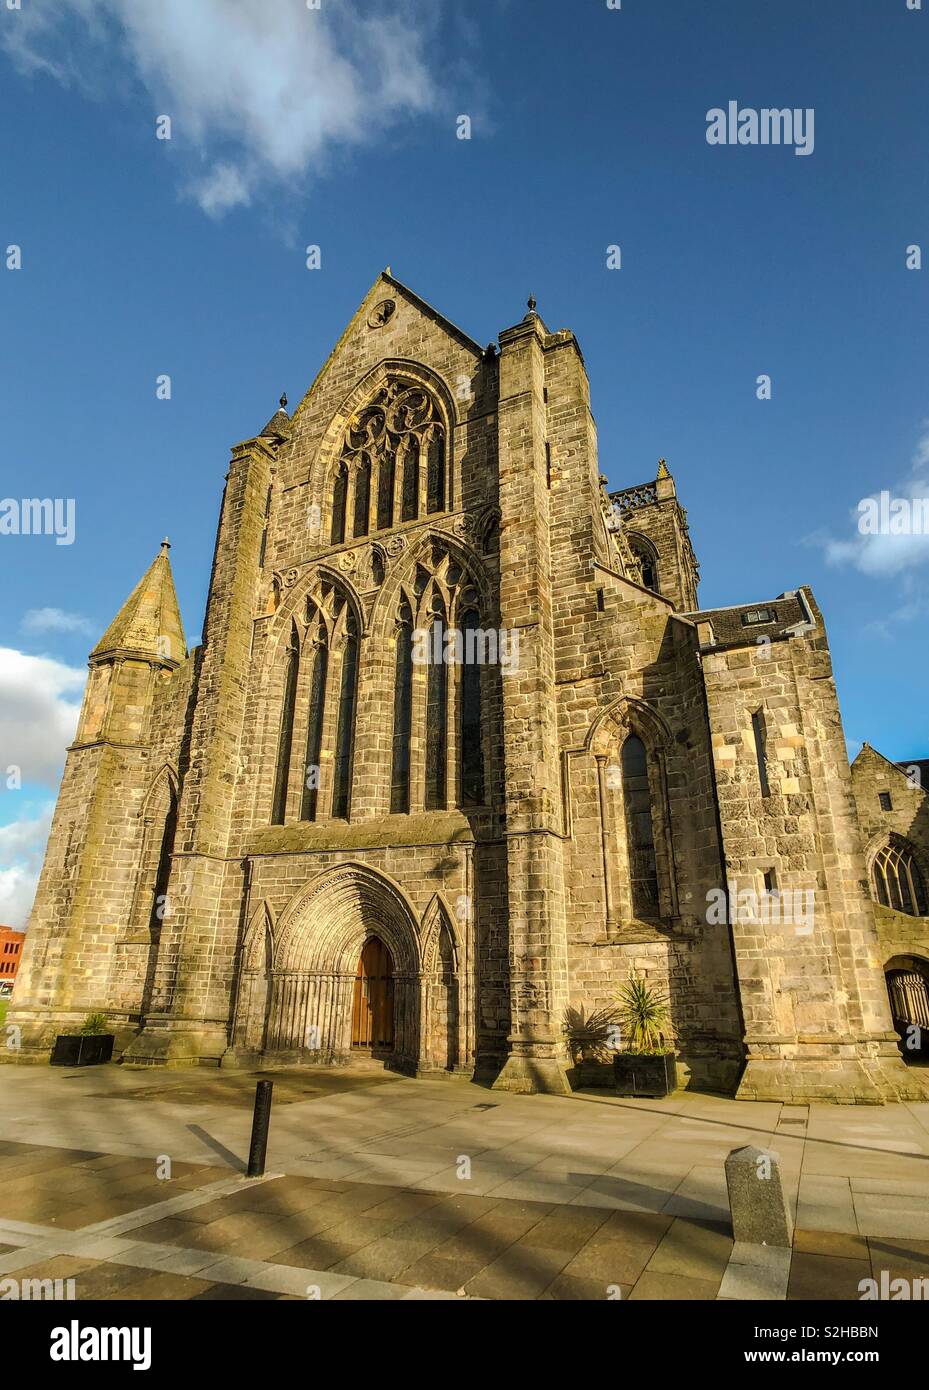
x: 260, y: 92
x: 39, y: 708
x: 884, y: 555
x: 54, y: 620
x: 22, y: 849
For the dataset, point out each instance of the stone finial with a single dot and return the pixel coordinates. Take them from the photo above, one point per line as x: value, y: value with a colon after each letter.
x: 490, y: 352
x: 387, y: 270
x: 531, y: 302
x: 165, y: 546
x: 663, y: 469
x: 283, y: 400
x: 760, y: 1214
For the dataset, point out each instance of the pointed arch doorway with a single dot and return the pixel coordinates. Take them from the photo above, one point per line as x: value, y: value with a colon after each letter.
x: 373, y: 1000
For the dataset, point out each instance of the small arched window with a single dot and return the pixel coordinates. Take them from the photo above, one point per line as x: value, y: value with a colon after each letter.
x: 647, y: 559
x: 640, y: 835
x: 286, y: 735
x: 898, y: 883
x: 403, y: 712
x: 342, y: 765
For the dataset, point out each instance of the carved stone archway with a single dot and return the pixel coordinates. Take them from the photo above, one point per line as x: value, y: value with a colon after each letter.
x: 297, y: 976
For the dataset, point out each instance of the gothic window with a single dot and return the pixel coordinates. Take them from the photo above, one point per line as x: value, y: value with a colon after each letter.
x: 909, y: 997
x: 285, y: 739
x: 436, y: 711
x: 403, y: 709
x: 435, y: 472
x: 472, y: 758
x: 637, y: 794
x: 386, y: 479
x: 339, y: 502
x: 438, y: 687
x: 395, y: 447
x: 647, y: 557
x: 342, y: 766
x: 362, y: 497
x: 318, y: 647
x: 409, y: 506
x: 897, y: 880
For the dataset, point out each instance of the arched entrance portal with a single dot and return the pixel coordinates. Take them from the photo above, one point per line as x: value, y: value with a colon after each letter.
x: 373, y: 1000
x: 908, y: 988
x: 348, y: 970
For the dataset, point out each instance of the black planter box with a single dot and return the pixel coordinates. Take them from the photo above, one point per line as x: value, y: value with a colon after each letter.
x: 82, y: 1049
x: 635, y: 1074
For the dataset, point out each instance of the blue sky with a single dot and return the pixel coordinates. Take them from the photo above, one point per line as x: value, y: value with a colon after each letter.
x: 337, y: 127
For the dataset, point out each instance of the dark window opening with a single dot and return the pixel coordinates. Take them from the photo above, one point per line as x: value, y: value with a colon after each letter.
x: 758, y: 729
x: 884, y: 798
x: 403, y: 709
x: 472, y: 756
x: 285, y: 739
x: 342, y: 765
x: 643, y: 869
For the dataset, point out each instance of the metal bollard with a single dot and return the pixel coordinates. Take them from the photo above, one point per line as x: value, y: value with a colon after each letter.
x: 261, y: 1121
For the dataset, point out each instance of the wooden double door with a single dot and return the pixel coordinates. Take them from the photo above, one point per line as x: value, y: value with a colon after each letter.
x: 373, y: 999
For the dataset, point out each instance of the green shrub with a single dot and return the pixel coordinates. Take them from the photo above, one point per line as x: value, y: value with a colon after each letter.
x: 643, y: 1011
x: 94, y: 1024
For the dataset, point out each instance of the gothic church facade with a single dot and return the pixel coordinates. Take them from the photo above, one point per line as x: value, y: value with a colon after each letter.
x: 458, y: 754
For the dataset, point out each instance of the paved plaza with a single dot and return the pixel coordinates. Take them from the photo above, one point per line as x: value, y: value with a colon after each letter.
x: 384, y: 1187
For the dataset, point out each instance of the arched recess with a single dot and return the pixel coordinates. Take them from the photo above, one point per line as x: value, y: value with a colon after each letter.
x: 382, y: 386
x: 256, y: 964
x: 907, y: 980
x: 445, y: 1043
x: 646, y: 558
x: 628, y: 745
x: 318, y: 942
x: 158, y: 821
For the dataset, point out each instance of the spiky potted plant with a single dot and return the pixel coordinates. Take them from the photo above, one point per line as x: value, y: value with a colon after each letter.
x: 91, y: 1046
x: 646, y: 1066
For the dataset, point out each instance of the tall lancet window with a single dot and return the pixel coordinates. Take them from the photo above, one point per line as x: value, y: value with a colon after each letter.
x: 362, y: 497
x: 472, y: 756
x: 409, y: 504
x: 640, y: 836
x: 342, y: 764
x: 318, y: 650
x: 403, y: 711
x: 435, y: 471
x: 285, y: 739
x: 436, y: 711
x: 385, y: 491
x: 339, y: 503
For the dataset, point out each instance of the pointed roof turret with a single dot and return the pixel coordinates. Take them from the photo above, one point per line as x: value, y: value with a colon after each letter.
x: 278, y: 427
x: 149, y: 622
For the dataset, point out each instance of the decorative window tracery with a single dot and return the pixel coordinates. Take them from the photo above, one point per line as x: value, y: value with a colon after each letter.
x: 898, y: 882
x: 438, y: 688
x: 393, y: 464
x: 319, y: 699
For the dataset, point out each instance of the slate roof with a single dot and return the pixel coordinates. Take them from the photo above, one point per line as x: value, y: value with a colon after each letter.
x: 728, y: 627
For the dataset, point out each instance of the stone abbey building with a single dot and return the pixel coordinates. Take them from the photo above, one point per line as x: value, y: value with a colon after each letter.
x: 459, y: 752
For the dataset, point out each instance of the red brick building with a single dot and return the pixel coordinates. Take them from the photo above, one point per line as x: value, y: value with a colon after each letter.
x: 11, y: 949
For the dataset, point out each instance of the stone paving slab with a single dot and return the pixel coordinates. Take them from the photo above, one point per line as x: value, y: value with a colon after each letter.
x: 366, y: 1181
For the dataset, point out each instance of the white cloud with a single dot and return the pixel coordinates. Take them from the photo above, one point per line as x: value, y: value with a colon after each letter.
x: 262, y: 91
x: 54, y: 620
x: 22, y: 849
x: 39, y: 708
x: 886, y: 555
